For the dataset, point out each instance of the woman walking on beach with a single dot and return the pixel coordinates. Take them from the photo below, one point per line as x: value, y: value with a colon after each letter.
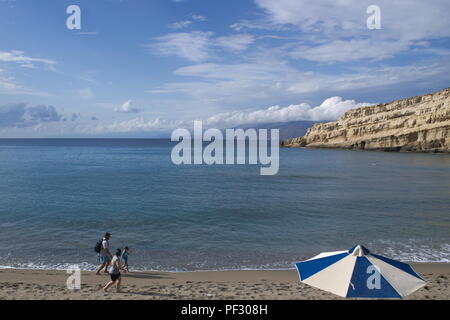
x: 114, y: 272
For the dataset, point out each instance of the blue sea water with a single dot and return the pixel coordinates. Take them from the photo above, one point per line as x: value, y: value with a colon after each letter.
x: 57, y: 197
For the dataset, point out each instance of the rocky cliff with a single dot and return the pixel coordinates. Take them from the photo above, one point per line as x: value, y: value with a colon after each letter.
x: 420, y: 124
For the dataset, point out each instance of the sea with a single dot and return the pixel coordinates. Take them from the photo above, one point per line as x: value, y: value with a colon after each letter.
x: 59, y: 196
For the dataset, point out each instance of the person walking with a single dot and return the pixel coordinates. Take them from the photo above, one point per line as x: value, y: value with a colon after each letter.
x: 105, y: 255
x: 124, y: 258
x: 114, y: 272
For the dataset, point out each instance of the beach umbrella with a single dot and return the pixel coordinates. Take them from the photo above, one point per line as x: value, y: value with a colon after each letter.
x: 359, y: 273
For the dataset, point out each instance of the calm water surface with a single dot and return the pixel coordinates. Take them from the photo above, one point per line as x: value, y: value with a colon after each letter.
x: 58, y: 196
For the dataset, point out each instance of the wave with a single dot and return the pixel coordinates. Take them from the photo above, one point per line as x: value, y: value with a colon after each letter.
x: 410, y: 252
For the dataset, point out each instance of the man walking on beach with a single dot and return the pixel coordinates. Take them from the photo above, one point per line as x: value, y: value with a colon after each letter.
x: 105, y: 255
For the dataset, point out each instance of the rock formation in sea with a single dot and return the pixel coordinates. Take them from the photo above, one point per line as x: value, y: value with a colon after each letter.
x: 419, y: 124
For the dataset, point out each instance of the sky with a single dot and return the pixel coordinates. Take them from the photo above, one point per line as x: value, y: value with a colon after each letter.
x: 139, y: 68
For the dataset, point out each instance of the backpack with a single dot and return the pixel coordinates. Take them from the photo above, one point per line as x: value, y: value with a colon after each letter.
x: 98, y: 246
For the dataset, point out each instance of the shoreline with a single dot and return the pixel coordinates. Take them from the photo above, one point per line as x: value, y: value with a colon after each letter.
x: 197, y: 285
x: 3, y: 267
x: 375, y: 150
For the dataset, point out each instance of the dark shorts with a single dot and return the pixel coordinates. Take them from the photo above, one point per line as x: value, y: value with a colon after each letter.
x: 114, y: 277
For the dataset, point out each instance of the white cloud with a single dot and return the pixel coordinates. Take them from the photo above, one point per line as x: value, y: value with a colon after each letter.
x: 350, y: 50
x: 19, y: 57
x: 412, y: 19
x: 180, y: 24
x: 238, y: 42
x: 126, y: 107
x: 247, y: 84
x: 186, y: 23
x: 199, y: 18
x: 88, y: 76
x: 330, y: 109
x: 133, y: 125
x: 339, y: 33
x: 368, y: 78
x: 9, y: 85
x: 193, y: 46
x: 214, y: 86
x: 28, y: 65
x: 199, y: 46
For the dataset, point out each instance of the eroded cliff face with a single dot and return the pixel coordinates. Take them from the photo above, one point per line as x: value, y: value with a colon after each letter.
x: 420, y: 124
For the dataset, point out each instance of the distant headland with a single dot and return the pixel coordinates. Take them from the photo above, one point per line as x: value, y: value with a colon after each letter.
x: 418, y: 124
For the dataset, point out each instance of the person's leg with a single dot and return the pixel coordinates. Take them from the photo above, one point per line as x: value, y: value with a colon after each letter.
x: 118, y: 284
x: 126, y: 266
x: 100, y: 267
x: 109, y: 284
x: 107, y: 265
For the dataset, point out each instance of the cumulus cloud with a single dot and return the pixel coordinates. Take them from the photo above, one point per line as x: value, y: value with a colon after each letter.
x: 330, y: 109
x: 42, y: 113
x: 126, y: 107
x: 20, y: 115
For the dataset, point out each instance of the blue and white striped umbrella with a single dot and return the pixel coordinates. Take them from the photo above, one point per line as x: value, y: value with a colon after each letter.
x: 359, y: 273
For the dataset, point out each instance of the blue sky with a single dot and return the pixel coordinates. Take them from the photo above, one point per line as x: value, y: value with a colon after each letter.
x: 144, y: 68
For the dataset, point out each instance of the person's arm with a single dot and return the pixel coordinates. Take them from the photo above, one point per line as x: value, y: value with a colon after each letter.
x: 119, y: 264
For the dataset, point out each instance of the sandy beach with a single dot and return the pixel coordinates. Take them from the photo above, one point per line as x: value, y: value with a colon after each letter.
x: 272, y: 285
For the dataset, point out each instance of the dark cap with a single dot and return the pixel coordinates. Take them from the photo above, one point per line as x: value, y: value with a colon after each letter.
x: 107, y: 234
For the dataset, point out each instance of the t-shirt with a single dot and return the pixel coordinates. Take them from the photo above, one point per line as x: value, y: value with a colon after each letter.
x: 105, y: 245
x: 114, y: 269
